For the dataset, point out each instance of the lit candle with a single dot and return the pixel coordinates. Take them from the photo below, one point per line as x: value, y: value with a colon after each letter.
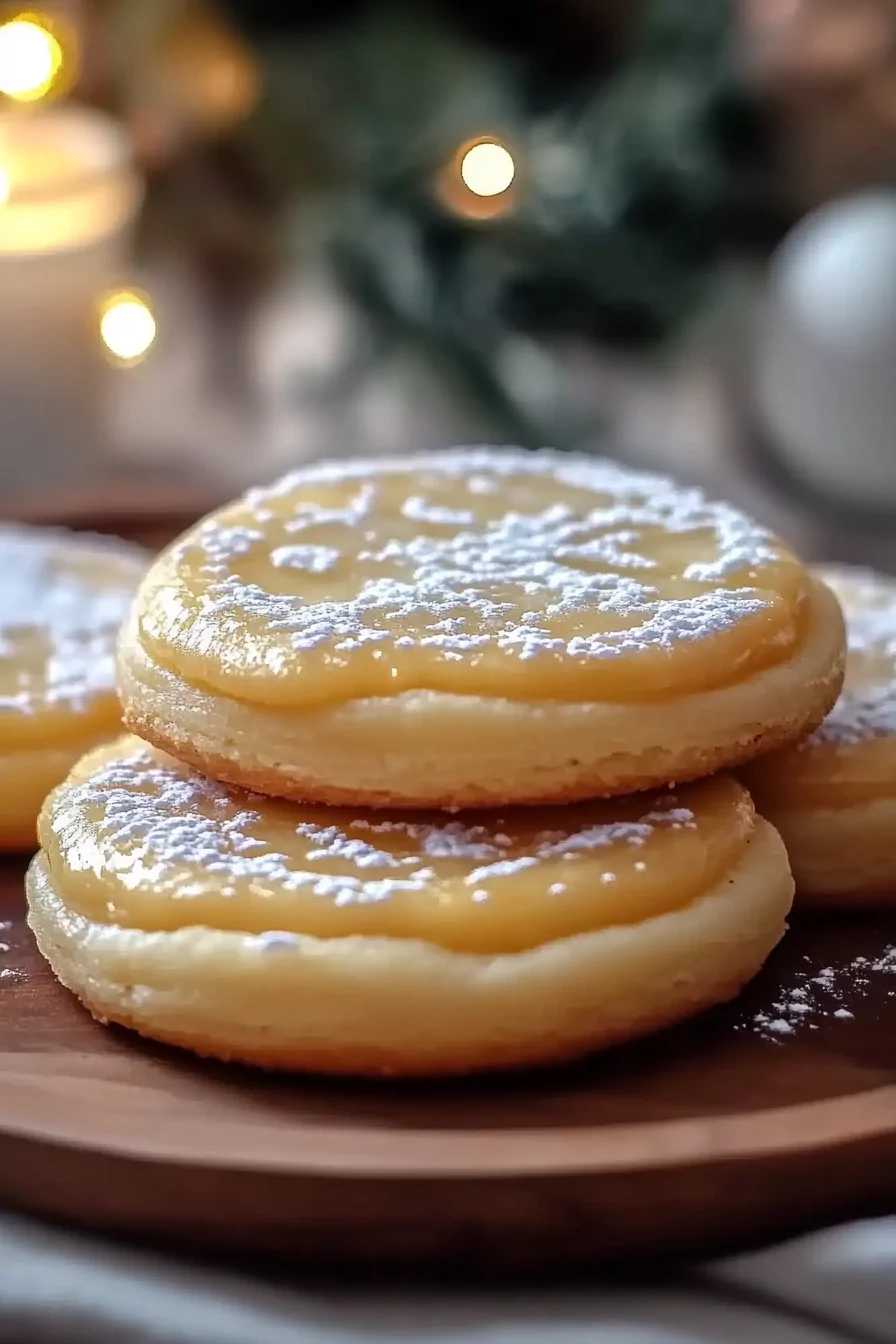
x: 68, y: 196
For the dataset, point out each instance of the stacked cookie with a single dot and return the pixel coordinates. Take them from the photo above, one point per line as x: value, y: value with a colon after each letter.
x: 63, y: 598
x: 426, y: 774
x: 832, y: 795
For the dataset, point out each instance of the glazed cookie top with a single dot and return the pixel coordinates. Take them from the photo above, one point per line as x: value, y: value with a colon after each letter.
x: 137, y: 839
x: 474, y: 571
x: 867, y: 705
x: 63, y: 598
x: 851, y: 758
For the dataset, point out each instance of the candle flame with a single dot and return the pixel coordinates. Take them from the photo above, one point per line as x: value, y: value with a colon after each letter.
x: 127, y: 326
x: 30, y: 59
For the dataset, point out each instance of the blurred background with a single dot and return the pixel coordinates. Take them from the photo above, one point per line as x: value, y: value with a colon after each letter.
x: 236, y: 236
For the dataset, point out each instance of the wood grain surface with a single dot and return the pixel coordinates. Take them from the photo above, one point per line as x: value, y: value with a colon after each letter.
x: 149, y: 512
x: 768, y: 1116
x: 715, y: 1135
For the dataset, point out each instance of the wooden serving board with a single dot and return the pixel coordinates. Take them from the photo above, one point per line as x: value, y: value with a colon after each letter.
x: 773, y: 1114
x: 711, y: 1136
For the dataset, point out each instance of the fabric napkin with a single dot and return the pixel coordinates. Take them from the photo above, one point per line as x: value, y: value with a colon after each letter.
x: 837, y: 1287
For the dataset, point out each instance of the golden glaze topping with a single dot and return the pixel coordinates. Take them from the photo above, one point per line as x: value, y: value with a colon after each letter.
x: 478, y: 572
x: 63, y: 598
x: 851, y: 757
x: 136, y: 839
x: 867, y: 706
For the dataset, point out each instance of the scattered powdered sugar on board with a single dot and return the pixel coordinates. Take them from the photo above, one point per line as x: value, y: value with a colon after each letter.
x: 867, y: 706
x: 817, y: 993
x: 63, y: 598
x: 9, y: 975
x: 582, y: 576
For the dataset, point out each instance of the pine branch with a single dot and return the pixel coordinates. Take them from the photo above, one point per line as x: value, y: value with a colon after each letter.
x: 658, y: 157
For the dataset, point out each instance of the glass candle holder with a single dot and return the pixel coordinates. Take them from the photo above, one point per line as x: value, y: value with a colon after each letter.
x: 69, y: 194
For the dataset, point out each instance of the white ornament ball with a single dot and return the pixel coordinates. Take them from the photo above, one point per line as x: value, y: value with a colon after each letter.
x: 825, y: 378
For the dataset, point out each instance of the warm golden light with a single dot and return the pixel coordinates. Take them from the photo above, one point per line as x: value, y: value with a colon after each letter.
x: 30, y: 59
x: 487, y: 168
x: 4, y: 187
x: 127, y: 326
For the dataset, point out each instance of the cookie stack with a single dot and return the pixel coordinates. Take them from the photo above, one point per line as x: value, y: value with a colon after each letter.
x: 426, y: 769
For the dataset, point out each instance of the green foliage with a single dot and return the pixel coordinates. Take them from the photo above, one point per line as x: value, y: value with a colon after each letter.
x: 632, y: 189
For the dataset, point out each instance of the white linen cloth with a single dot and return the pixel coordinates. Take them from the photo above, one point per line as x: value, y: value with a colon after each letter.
x: 56, y: 1287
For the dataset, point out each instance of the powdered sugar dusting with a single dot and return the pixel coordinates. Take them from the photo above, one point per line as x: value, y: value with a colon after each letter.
x: 867, y: 706
x: 313, y: 559
x: 816, y: 993
x: 146, y: 822
x: 463, y: 552
x: 63, y: 598
x: 9, y: 975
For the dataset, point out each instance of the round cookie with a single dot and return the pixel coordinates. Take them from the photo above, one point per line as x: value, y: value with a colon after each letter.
x: 63, y: 598
x: 368, y: 943
x: 833, y: 795
x: 472, y: 628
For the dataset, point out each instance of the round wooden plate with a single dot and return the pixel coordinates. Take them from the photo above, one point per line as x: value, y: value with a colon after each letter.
x: 773, y: 1114
x: 726, y: 1131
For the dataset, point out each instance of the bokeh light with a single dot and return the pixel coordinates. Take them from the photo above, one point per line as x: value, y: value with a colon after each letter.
x: 30, y: 59
x: 127, y: 326
x: 4, y: 187
x: 487, y: 168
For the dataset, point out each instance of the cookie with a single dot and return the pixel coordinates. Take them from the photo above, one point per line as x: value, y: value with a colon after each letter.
x: 370, y: 943
x: 833, y: 795
x: 63, y: 598
x: 476, y: 628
